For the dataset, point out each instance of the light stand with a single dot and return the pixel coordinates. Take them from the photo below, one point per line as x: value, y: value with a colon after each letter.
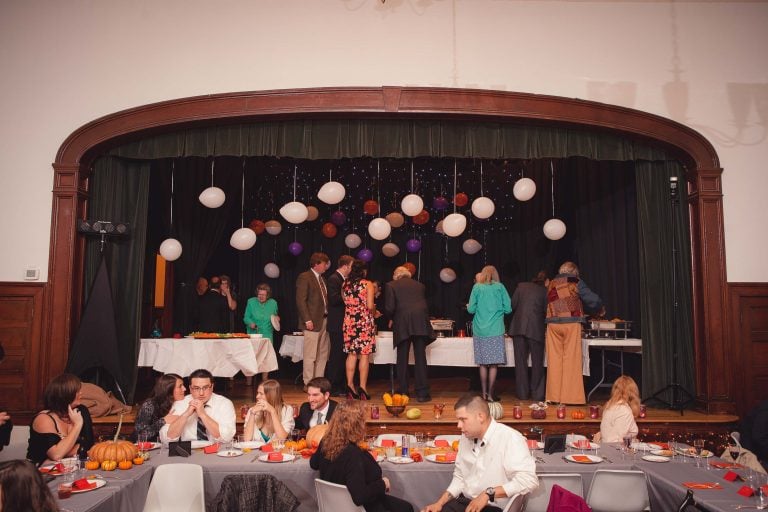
x: 680, y: 397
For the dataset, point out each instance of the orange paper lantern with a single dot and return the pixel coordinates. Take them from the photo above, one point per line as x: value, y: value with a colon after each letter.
x: 329, y: 230
x: 371, y: 207
x: 257, y: 226
x: 422, y: 218
x: 461, y: 199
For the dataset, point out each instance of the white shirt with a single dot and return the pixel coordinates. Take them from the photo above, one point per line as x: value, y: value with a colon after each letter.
x: 286, y: 420
x: 501, y: 457
x: 617, y: 422
x: 323, y: 411
x: 217, y: 407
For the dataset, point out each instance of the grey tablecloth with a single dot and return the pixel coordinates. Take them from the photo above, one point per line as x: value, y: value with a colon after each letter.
x: 125, y: 491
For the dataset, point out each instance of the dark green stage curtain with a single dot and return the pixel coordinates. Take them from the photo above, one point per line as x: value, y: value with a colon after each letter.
x: 119, y: 192
x: 666, y: 329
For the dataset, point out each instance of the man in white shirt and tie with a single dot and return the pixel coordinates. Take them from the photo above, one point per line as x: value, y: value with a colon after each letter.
x: 319, y: 407
x: 312, y: 306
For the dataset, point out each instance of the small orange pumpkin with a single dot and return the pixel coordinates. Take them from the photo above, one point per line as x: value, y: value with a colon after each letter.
x: 108, y: 465
x: 92, y: 464
x: 125, y: 464
x: 138, y: 461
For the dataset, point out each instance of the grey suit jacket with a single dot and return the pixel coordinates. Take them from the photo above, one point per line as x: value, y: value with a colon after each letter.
x: 309, y: 300
x: 529, y: 309
x: 405, y: 302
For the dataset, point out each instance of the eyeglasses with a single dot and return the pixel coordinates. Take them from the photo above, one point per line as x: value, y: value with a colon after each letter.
x: 198, y: 389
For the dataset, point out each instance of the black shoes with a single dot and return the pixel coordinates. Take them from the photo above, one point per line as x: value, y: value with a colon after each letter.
x: 363, y: 394
x: 351, y: 395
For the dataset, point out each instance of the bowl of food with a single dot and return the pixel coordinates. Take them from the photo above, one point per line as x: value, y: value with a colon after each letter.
x: 395, y: 410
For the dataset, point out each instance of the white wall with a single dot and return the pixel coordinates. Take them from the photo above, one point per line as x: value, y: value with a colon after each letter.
x: 65, y: 63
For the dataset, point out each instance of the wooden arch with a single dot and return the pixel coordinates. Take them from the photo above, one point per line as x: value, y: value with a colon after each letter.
x: 715, y: 389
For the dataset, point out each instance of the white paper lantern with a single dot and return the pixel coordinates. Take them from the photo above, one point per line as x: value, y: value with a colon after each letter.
x: 273, y: 227
x: 395, y: 219
x: 554, y: 229
x: 447, y: 275
x: 243, y: 239
x: 439, y: 228
x: 471, y: 246
x: 331, y: 193
x: 312, y: 213
x: 483, y: 207
x: 170, y: 249
x: 454, y: 224
x: 379, y: 228
x: 524, y: 189
x: 412, y: 205
x: 390, y: 250
x: 294, y: 212
x: 212, y: 197
x: 271, y: 270
x: 353, y: 241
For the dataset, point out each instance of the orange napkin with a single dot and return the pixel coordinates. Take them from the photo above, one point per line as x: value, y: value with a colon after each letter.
x: 726, y: 465
x: 214, y: 448
x: 533, y: 444
x: 581, y: 458
x: 441, y: 443
x: 731, y: 476
x: 450, y: 457
x: 662, y: 446
x: 266, y: 448
x: 83, y: 484
x: 746, y: 491
x: 702, y: 485
x: 388, y: 442
x: 144, y: 446
x: 275, y: 456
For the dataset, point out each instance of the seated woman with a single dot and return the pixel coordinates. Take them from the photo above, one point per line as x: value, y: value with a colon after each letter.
x: 155, y: 411
x: 341, y: 461
x: 270, y: 417
x: 620, y: 411
x: 64, y: 426
x: 22, y: 488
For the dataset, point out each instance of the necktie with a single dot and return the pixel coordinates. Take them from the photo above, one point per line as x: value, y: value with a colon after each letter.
x: 319, y: 418
x: 201, y: 433
x: 324, y: 291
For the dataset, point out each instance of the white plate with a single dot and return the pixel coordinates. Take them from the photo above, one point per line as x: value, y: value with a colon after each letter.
x: 570, y: 438
x: 592, y: 446
x: 400, y: 460
x: 230, y: 453
x: 48, y: 470
x: 249, y: 444
x: 154, y: 446
x: 432, y: 457
x: 255, y: 336
x: 275, y: 321
x: 644, y: 446
x: 287, y: 457
x: 655, y: 458
x: 593, y: 459
x: 196, y: 444
x: 692, y: 453
x: 99, y: 484
x: 662, y: 453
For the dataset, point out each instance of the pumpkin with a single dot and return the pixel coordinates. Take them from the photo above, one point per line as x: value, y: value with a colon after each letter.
x: 108, y: 465
x: 315, y: 434
x: 125, y: 464
x: 113, y: 450
x: 578, y: 415
x: 497, y: 411
x: 92, y: 464
x: 138, y: 461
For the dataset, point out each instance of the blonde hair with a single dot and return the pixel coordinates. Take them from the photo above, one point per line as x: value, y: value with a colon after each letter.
x: 488, y: 274
x: 401, y: 272
x: 568, y: 267
x: 625, y: 390
x: 347, y: 425
x: 274, y: 395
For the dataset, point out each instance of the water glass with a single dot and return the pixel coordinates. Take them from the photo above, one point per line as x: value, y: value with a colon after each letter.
x: 437, y: 410
x: 390, y: 452
x: 295, y: 434
x: 278, y: 444
x: 698, y: 445
x: 761, y: 485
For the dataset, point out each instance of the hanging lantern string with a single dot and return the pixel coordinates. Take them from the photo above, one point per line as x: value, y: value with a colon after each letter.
x: 552, y: 184
x: 454, y: 185
x: 213, y: 162
x: 378, y: 184
x: 481, y: 178
x: 411, y: 176
x: 485, y: 244
x: 173, y: 168
x: 242, y: 199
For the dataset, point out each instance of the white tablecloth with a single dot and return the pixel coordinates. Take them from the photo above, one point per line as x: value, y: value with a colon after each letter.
x: 223, y: 358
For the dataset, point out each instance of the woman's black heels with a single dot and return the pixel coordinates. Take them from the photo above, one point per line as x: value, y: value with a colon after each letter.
x: 351, y: 395
x: 363, y: 394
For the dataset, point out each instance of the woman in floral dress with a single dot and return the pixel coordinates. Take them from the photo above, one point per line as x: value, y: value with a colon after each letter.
x: 359, y: 327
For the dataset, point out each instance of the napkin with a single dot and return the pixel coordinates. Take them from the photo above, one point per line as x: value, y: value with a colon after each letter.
x: 662, y: 446
x: 83, y: 484
x: 532, y: 444
x: 144, y: 446
x: 441, y: 443
x: 732, y: 477
x: 746, y: 491
x: 450, y: 457
x: 726, y: 465
x: 275, y: 457
x: 267, y: 448
x: 214, y: 448
x: 581, y: 458
x: 702, y: 485
x: 391, y: 442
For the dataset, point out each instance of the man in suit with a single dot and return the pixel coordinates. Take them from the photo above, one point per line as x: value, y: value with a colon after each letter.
x: 319, y: 407
x: 405, y: 302
x: 336, y: 359
x: 213, y: 314
x: 312, y: 305
x: 529, y: 309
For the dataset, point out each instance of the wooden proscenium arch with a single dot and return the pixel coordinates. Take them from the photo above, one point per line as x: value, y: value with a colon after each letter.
x: 714, y: 381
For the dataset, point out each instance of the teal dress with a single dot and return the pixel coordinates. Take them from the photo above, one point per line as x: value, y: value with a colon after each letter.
x: 260, y: 314
x: 489, y: 302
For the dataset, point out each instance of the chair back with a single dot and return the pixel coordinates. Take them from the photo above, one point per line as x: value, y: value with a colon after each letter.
x: 164, y: 495
x: 17, y: 447
x: 538, y: 500
x: 516, y: 503
x: 608, y: 484
x: 334, y: 498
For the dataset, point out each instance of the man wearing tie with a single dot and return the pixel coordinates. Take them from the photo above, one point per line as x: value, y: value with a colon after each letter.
x: 318, y: 408
x: 201, y: 415
x: 337, y: 358
x: 312, y: 305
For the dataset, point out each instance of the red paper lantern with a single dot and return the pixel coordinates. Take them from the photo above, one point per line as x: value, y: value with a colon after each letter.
x: 422, y: 218
x: 371, y: 207
x: 461, y: 199
x: 329, y: 230
x: 411, y: 268
x: 257, y: 226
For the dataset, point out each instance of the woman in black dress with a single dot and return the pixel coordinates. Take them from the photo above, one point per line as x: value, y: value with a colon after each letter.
x: 155, y: 411
x: 341, y: 461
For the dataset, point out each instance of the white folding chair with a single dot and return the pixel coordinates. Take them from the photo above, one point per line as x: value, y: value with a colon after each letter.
x: 736, y: 436
x: 164, y: 495
x: 334, y: 498
x: 17, y: 447
x: 618, y: 491
x: 538, y: 500
x: 516, y: 504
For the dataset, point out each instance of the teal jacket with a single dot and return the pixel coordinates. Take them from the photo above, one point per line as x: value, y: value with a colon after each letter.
x: 489, y: 303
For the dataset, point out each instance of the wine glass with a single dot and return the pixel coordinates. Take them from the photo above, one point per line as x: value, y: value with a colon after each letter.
x: 698, y: 446
x: 626, y: 444
x: 734, y: 451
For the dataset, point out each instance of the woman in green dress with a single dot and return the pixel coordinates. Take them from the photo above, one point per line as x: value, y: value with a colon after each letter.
x: 258, y: 315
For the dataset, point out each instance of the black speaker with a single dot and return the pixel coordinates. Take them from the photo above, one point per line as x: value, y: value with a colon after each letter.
x: 102, y: 227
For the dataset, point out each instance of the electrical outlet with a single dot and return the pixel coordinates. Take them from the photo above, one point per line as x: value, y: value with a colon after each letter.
x: 31, y: 274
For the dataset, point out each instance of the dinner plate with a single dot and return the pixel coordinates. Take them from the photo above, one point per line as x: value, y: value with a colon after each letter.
x: 690, y: 452
x: 249, y: 444
x: 592, y: 446
x: 151, y: 446
x: 200, y: 444
x: 583, y: 459
x: 99, y: 484
x: 48, y: 470
x: 432, y: 457
x: 230, y: 453
x: 275, y: 321
x: 287, y: 457
x: 655, y: 458
x: 662, y: 453
x: 400, y: 460
x: 570, y: 438
x: 645, y: 446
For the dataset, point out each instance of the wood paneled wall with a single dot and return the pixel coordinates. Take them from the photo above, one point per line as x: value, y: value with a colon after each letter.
x: 748, y: 352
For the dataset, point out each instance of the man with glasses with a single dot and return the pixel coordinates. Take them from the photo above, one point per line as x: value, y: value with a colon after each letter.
x: 202, y: 415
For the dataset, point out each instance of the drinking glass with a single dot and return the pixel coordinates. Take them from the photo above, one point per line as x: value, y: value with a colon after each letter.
x: 698, y: 445
x: 626, y: 445
x: 390, y: 451
x: 437, y: 410
x: 295, y: 434
x: 760, y: 483
x: 733, y: 451
x: 278, y: 444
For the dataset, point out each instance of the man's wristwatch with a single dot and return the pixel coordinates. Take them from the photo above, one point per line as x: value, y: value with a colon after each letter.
x: 491, y: 493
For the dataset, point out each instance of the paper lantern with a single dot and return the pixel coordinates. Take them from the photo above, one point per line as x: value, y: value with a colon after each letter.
x: 379, y: 228
x: 412, y: 205
x: 312, y: 213
x: 461, y: 199
x: 395, y: 219
x: 271, y: 270
x: 454, y: 224
x: 365, y: 254
x: 294, y: 212
x: 371, y: 207
x: 295, y: 248
x: 243, y: 239
x: 273, y: 227
x: 353, y: 241
x: 411, y: 268
x: 440, y: 203
x: 413, y: 245
x: 482, y: 207
x: 447, y: 275
x: 422, y: 218
x: 554, y: 229
x: 524, y: 189
x: 338, y: 218
x: 329, y: 230
x: 471, y: 246
x: 331, y: 193
x: 212, y: 197
x: 170, y: 249
x: 439, y: 228
x: 389, y: 250
x: 257, y: 226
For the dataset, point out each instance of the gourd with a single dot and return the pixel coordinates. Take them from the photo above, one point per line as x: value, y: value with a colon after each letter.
x: 125, y: 464
x: 114, y: 450
x: 315, y: 434
x: 92, y: 464
x: 138, y: 461
x: 108, y: 465
x: 497, y: 411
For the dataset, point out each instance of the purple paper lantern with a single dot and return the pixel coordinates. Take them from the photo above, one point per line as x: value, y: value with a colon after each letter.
x: 440, y: 203
x: 413, y: 245
x: 295, y: 248
x: 338, y: 217
x: 365, y: 254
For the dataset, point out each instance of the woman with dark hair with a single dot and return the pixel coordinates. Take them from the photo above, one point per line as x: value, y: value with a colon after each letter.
x: 359, y: 327
x: 341, y: 461
x: 64, y: 427
x: 22, y: 488
x: 155, y: 411
x: 270, y: 417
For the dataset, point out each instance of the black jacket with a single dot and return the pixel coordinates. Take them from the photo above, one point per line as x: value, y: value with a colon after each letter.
x: 356, y: 469
x: 305, y: 414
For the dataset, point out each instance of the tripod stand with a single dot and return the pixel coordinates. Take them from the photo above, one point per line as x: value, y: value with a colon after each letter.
x: 680, y: 397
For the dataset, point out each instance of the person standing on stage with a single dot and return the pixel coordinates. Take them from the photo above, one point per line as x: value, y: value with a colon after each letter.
x: 529, y: 309
x: 259, y: 314
x: 405, y: 302
x: 312, y: 305
x: 334, y: 372
x: 567, y: 298
x: 228, y: 293
x: 359, y: 328
x: 489, y: 302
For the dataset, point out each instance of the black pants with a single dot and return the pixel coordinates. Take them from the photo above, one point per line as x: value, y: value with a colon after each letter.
x: 459, y: 504
x: 420, y: 358
x: 389, y: 504
x: 335, y: 370
x: 535, y: 387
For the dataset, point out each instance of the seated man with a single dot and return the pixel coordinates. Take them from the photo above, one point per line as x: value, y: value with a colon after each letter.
x: 318, y: 408
x: 202, y: 415
x: 501, y: 451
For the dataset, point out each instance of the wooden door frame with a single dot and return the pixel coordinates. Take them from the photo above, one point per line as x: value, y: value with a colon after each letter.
x: 714, y: 384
